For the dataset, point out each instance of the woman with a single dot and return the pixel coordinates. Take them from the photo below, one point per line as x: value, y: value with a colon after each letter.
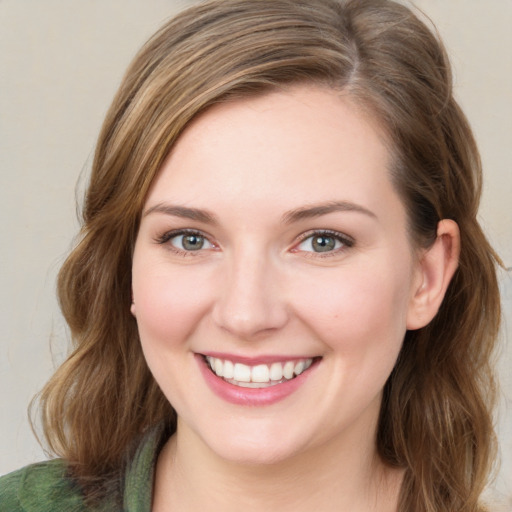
x: 281, y: 298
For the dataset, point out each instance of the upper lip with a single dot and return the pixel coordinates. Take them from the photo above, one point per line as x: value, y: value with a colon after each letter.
x: 255, y: 360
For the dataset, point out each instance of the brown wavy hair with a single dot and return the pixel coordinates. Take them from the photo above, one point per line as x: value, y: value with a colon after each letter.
x: 435, y: 419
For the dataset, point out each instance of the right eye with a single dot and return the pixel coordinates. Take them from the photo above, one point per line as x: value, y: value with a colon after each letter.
x: 186, y: 241
x: 190, y: 242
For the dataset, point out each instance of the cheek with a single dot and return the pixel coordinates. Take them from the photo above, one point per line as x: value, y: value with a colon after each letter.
x: 356, y: 307
x: 169, y: 304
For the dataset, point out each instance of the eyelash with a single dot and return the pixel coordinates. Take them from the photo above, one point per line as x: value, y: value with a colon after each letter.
x: 347, y: 242
x: 169, y: 235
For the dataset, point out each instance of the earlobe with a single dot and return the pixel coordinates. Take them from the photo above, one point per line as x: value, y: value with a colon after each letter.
x: 437, y: 266
x: 132, y: 306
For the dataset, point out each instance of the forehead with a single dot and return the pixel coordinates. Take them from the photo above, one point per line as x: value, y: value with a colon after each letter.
x: 306, y: 143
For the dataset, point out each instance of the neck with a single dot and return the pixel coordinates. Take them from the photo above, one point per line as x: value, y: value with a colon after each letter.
x: 191, y: 477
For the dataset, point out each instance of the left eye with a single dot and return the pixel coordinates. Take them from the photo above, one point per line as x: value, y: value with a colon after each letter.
x: 190, y: 242
x: 321, y: 242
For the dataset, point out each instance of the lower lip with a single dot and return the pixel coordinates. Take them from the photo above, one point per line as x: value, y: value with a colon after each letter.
x: 251, y: 396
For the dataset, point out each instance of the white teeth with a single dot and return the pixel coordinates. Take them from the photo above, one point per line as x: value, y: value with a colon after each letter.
x: 299, y: 368
x: 242, y: 372
x: 219, y: 367
x: 288, y: 370
x: 229, y: 369
x: 276, y: 371
x: 258, y: 385
x: 261, y: 375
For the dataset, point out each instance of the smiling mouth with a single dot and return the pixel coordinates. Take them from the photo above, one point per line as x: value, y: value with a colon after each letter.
x: 260, y: 375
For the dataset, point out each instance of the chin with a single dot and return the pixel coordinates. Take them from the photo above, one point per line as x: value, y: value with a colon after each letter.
x: 259, y: 447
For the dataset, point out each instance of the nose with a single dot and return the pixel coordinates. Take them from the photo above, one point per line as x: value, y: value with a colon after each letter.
x: 250, y: 302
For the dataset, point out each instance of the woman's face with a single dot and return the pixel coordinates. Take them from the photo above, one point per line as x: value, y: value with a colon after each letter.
x: 273, y: 248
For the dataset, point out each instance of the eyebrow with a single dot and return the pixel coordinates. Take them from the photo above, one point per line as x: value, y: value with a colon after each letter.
x: 184, y: 212
x: 298, y: 214
x: 309, y: 212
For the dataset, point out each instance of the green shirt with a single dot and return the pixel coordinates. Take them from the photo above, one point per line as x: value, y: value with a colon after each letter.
x: 45, y: 487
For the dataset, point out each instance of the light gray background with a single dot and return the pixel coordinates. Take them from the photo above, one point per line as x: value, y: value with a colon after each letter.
x: 60, y: 64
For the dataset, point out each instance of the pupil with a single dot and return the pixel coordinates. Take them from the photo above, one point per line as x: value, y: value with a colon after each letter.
x: 193, y: 242
x: 323, y: 243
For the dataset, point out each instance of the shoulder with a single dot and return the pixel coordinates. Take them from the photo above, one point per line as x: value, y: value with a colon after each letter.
x: 47, y: 486
x: 39, y: 488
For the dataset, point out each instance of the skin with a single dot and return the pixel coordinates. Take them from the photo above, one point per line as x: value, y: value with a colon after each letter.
x: 257, y: 288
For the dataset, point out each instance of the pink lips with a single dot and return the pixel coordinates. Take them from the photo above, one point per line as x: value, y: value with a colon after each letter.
x: 251, y: 396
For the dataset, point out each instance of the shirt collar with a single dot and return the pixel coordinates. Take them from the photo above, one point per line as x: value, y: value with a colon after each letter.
x: 140, y: 473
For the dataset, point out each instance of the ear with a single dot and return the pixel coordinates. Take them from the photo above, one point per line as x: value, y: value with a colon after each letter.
x: 436, y: 267
x: 132, y: 307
